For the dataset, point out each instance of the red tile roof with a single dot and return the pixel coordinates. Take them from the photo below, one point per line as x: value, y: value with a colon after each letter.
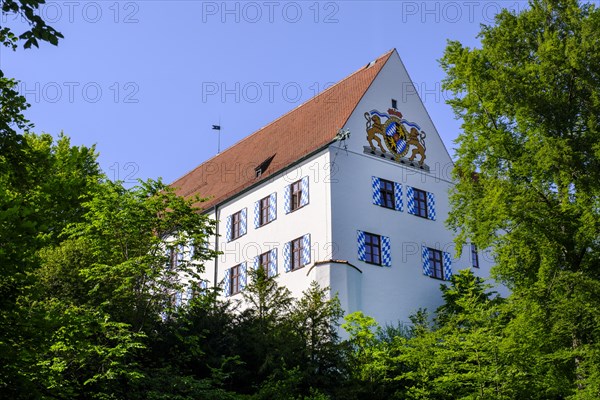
x: 302, y: 131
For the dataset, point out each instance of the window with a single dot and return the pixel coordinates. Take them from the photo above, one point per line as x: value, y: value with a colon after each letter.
x: 264, y: 205
x: 175, y: 257
x: 235, y: 281
x: 265, y: 210
x: 387, y: 194
x: 295, y: 195
x: 372, y: 248
x: 394, y: 104
x: 264, y: 260
x: 420, y: 203
x: 268, y: 261
x: 236, y: 225
x: 296, y: 198
x: 260, y: 170
x: 296, y: 254
x: 474, y: 256
x: 436, y: 264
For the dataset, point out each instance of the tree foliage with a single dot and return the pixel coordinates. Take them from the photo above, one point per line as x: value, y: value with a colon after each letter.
x: 528, y: 170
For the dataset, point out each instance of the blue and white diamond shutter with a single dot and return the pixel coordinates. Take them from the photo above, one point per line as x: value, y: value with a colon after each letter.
x: 287, y: 257
x: 304, y: 194
x: 243, y: 221
x: 203, y: 285
x: 257, y: 214
x: 398, y: 196
x: 273, y: 206
x: 191, y: 251
x: 243, y: 275
x: 362, y: 251
x: 425, y: 259
x: 226, y: 285
x: 430, y: 206
x: 273, y: 263
x: 386, y: 252
x: 228, y: 229
x: 287, y: 199
x: 306, y: 249
x: 447, y: 266
x: 410, y: 200
x: 256, y: 262
x: 376, y: 187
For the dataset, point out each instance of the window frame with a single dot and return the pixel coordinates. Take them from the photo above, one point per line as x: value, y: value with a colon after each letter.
x: 264, y: 205
x: 370, y: 246
x: 173, y: 258
x: 235, y: 282
x: 296, y: 250
x: 296, y: 195
x: 236, y: 225
x: 387, y: 192
x: 420, y: 200
x: 474, y: 256
x: 265, y: 265
x: 436, y: 257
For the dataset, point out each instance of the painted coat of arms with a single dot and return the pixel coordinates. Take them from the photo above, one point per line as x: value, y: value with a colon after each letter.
x: 397, y: 133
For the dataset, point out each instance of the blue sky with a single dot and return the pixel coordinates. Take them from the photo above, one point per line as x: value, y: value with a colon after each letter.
x: 146, y: 80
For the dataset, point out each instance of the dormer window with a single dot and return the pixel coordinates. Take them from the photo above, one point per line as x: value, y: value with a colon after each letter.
x: 258, y: 171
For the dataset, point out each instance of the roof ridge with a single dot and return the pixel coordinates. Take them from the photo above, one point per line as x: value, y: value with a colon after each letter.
x: 318, y: 95
x: 389, y: 53
x: 369, y: 65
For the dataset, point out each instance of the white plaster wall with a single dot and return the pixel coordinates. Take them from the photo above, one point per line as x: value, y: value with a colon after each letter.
x: 344, y: 280
x: 392, y: 294
x: 313, y: 219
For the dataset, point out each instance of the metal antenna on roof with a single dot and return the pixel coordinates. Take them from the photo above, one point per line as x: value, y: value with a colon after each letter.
x: 342, y: 135
x: 218, y: 128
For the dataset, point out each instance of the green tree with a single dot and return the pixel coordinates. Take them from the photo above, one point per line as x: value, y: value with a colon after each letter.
x: 24, y: 225
x: 311, y: 360
x: 369, y: 356
x: 12, y: 103
x: 147, y: 246
x: 460, y: 357
x: 117, y: 275
x: 464, y: 285
x: 37, y: 201
x: 316, y: 319
x: 264, y: 338
x: 37, y: 29
x: 528, y: 167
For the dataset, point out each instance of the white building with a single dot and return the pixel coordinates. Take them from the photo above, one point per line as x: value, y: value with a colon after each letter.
x: 362, y: 214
